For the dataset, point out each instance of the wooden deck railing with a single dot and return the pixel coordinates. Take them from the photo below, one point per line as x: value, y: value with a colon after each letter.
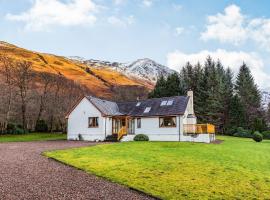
x: 122, y: 132
x: 199, y: 129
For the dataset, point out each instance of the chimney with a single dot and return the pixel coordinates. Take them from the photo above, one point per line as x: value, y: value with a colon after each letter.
x: 190, y: 105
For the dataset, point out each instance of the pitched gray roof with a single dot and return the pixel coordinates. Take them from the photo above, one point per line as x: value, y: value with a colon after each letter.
x: 105, y: 107
x: 177, y: 108
x: 129, y: 108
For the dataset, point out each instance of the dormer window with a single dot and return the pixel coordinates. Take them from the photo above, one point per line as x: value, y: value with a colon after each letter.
x: 147, y: 109
x: 138, y: 104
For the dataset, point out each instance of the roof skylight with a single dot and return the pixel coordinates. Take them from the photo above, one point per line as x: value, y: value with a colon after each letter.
x: 163, y: 103
x: 170, y: 102
x: 147, y: 109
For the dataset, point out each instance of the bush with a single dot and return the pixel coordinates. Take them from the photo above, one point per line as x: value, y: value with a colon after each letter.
x: 257, y: 136
x: 266, y: 135
x: 241, y: 132
x: 141, y: 137
x: 11, y: 126
x: 41, y: 126
x: 19, y: 131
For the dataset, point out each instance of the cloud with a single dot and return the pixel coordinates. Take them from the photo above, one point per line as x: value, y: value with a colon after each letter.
x: 177, y: 6
x: 235, y: 28
x: 233, y: 59
x: 46, y: 13
x: 121, y: 22
x: 179, y: 31
x: 147, y: 3
x: 227, y: 27
x: 118, y: 2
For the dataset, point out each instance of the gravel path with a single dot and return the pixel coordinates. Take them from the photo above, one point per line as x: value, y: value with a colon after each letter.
x: 26, y: 174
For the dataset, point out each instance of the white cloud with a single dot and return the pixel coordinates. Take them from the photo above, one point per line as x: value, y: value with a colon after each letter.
x: 46, y: 13
x: 177, y: 6
x: 147, y: 3
x: 233, y: 59
x: 122, y: 22
x: 236, y: 28
x: 179, y: 31
x: 118, y: 2
x: 227, y: 27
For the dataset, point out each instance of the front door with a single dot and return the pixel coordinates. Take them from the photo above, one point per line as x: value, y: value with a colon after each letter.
x: 131, y: 126
x: 117, y: 124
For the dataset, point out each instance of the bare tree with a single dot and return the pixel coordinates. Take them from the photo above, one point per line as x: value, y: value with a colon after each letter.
x: 46, y: 81
x: 23, y: 78
x: 6, y: 65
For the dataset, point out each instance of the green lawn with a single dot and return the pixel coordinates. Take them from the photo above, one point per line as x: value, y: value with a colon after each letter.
x: 236, y: 169
x: 32, y: 137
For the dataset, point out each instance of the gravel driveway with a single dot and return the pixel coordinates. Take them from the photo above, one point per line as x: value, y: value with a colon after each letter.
x: 26, y: 174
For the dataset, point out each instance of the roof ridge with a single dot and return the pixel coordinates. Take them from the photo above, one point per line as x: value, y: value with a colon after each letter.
x: 150, y: 99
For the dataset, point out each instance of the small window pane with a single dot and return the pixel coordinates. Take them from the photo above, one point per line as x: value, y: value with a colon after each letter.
x: 163, y: 103
x: 170, y: 103
x: 147, y: 109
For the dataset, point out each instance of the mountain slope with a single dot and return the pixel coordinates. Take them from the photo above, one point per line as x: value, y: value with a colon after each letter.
x: 146, y: 69
x: 100, y: 82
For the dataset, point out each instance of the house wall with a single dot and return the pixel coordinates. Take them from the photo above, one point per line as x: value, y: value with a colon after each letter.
x: 150, y: 127
x: 78, y: 122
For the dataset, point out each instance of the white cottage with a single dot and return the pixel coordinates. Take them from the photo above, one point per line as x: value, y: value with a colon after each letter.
x: 161, y: 119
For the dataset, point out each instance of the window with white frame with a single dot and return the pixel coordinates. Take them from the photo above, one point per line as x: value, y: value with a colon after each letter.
x: 167, y: 122
x: 92, y: 122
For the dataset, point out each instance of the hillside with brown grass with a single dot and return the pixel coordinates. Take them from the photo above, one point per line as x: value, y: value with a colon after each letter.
x: 100, y: 82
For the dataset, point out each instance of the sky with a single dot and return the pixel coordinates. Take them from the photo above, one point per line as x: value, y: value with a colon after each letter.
x: 170, y: 32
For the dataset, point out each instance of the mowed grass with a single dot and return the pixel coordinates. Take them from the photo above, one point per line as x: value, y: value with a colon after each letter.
x: 236, y: 169
x: 32, y: 137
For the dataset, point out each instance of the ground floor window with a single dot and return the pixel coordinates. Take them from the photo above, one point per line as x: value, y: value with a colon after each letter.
x: 167, y: 122
x: 93, y: 122
x: 139, y: 123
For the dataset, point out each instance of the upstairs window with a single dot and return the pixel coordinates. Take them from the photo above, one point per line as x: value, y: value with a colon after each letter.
x: 170, y: 102
x: 92, y: 122
x: 167, y: 122
x: 163, y: 103
x: 147, y: 109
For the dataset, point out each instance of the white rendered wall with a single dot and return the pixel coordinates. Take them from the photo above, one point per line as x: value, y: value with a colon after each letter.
x: 150, y: 127
x: 78, y: 122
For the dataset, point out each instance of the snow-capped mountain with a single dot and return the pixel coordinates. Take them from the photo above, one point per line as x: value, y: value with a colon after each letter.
x: 145, y: 69
x: 265, y: 98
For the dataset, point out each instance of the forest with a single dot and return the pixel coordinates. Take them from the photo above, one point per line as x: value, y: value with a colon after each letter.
x: 222, y: 98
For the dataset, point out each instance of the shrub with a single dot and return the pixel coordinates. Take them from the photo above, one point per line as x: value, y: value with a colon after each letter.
x: 141, y: 137
x: 41, y: 126
x: 11, y: 126
x: 257, y: 136
x: 241, y: 132
x: 266, y: 134
x: 19, y: 131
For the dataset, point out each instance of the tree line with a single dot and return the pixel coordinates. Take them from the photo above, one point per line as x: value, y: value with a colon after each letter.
x: 220, y: 98
x: 29, y: 98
